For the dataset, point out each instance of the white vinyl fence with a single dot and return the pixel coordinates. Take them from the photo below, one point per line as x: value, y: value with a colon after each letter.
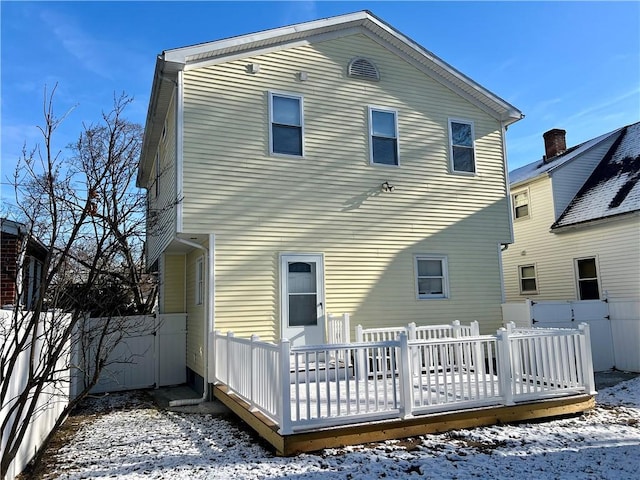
x: 614, y: 324
x: 309, y: 387
x: 50, y: 404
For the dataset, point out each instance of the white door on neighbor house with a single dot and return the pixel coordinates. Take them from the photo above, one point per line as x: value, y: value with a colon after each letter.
x: 302, y: 303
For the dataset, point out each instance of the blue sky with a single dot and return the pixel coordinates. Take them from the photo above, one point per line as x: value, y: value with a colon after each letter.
x: 570, y: 65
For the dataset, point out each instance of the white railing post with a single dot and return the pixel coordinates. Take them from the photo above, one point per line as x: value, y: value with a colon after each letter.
x: 415, y: 351
x: 285, y: 394
x: 331, y: 328
x: 504, y: 367
x: 346, y: 325
x: 216, y: 364
x: 456, y: 328
x: 252, y: 375
x: 229, y: 353
x: 406, y: 378
x: 587, y: 361
x: 511, y: 326
x: 475, y: 329
x: 411, y: 331
x: 362, y: 372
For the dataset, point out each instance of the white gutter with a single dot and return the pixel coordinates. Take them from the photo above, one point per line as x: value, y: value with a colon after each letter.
x: 208, y: 323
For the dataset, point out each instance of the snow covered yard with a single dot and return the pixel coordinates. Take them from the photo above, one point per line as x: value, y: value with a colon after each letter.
x: 135, y: 440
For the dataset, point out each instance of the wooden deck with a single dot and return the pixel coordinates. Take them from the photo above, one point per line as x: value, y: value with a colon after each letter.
x: 375, y: 431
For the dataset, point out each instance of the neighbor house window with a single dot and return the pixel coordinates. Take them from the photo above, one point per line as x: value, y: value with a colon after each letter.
x: 286, y: 133
x: 528, y: 283
x: 200, y: 281
x: 383, y: 136
x: 461, y: 146
x: 431, y: 276
x: 521, y: 205
x: 587, y: 276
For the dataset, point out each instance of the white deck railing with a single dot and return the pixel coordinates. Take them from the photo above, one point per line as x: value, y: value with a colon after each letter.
x: 317, y: 386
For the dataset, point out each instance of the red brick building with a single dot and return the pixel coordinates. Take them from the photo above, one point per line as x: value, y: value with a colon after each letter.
x: 19, y: 249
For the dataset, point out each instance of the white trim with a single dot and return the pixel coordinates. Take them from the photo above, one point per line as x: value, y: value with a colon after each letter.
x: 376, y: 108
x: 535, y: 278
x: 296, y: 96
x: 201, y: 285
x: 577, y: 275
x: 179, y: 150
x: 513, y: 204
x: 445, y: 276
x: 473, y: 141
x: 284, y: 259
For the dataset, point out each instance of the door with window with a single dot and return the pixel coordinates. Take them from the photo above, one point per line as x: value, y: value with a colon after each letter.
x: 302, y: 299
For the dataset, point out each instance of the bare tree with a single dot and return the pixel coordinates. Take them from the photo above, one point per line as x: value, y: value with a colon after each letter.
x: 85, y: 209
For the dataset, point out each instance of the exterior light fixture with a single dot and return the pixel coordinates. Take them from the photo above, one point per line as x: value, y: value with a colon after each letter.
x: 387, y: 187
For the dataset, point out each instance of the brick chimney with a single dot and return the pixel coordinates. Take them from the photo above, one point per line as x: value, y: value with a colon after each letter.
x: 555, y: 143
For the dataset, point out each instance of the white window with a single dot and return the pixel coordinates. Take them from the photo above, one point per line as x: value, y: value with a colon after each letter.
x: 587, y: 278
x: 461, y: 138
x: 528, y: 282
x: 383, y: 136
x: 286, y: 131
x: 199, y: 281
x: 521, y: 205
x: 431, y: 276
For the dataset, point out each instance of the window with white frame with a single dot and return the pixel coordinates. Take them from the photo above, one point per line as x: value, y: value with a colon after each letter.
x: 528, y: 282
x: 199, y: 281
x: 587, y: 278
x: 383, y: 136
x: 431, y: 276
x: 462, y: 153
x: 521, y: 205
x: 286, y: 124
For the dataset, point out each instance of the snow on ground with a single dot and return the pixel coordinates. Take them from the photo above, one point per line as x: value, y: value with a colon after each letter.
x: 140, y: 441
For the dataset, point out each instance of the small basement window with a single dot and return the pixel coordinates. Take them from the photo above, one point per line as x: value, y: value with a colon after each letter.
x: 364, y: 69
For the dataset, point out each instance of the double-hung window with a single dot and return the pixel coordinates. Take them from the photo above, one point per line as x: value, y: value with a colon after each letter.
x: 383, y: 136
x: 521, y: 205
x: 587, y: 278
x: 528, y: 283
x: 431, y: 276
x: 461, y: 146
x: 286, y: 124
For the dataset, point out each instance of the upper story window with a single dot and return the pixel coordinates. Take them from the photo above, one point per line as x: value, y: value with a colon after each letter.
x: 461, y: 146
x: 528, y: 282
x: 521, y: 205
x: 383, y: 136
x: 432, y: 276
x: 286, y: 124
x: 587, y: 277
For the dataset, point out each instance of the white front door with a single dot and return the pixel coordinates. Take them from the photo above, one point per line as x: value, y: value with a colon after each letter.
x: 302, y: 298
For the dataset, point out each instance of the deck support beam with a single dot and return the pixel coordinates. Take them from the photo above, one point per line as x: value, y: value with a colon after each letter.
x: 335, y: 437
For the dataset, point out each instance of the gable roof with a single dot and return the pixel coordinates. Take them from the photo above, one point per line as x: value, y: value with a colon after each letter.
x: 614, y: 186
x: 170, y: 62
x: 540, y: 167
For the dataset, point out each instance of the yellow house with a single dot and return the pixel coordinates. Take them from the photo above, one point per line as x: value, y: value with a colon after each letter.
x: 577, y: 221
x: 333, y: 166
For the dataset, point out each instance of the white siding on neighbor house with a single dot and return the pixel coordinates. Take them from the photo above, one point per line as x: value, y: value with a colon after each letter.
x: 161, y: 218
x: 330, y: 201
x: 569, y: 178
x: 615, y: 243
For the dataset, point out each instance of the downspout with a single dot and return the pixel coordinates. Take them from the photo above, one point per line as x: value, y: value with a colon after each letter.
x: 503, y: 246
x: 208, y: 315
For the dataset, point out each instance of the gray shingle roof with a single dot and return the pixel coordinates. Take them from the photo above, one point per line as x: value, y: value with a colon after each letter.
x: 613, y: 188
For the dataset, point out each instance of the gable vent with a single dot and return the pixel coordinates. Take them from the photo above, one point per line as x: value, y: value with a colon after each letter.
x: 362, y: 68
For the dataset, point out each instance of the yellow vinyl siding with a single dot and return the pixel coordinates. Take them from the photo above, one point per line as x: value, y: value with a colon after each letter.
x: 161, y: 226
x: 614, y: 243
x: 173, y: 284
x: 330, y: 201
x: 195, y: 315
